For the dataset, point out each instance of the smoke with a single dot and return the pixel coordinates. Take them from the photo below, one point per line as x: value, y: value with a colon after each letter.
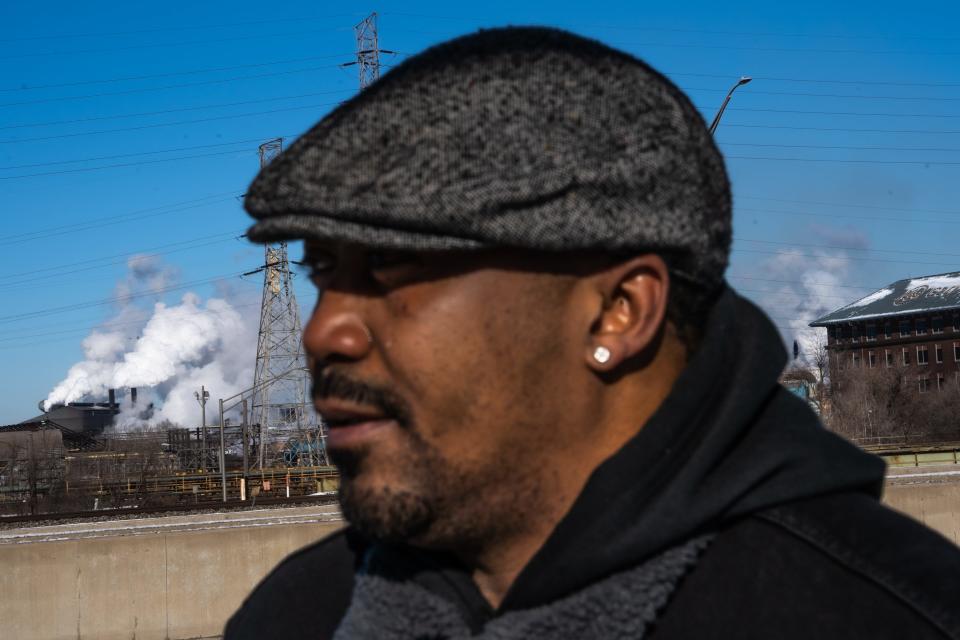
x: 816, y: 290
x: 166, y: 351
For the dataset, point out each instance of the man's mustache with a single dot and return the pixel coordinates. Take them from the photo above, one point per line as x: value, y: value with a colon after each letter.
x: 329, y: 383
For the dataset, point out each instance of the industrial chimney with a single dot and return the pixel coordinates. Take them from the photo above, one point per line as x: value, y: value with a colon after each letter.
x: 133, y: 396
x: 111, y: 398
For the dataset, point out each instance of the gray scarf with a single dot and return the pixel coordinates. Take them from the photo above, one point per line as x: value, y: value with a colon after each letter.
x: 623, y: 605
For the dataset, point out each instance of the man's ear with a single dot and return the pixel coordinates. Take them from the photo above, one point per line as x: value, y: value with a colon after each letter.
x: 634, y: 296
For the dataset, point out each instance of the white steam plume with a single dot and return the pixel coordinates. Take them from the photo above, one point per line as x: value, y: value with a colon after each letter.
x: 802, y: 286
x: 166, y: 352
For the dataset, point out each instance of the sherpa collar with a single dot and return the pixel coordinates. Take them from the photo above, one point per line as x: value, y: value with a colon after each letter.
x: 624, y: 605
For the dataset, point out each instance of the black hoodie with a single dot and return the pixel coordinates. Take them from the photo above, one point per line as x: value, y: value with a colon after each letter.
x: 728, y: 449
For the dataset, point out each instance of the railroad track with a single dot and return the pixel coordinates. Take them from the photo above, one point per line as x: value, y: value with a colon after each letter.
x: 233, y: 505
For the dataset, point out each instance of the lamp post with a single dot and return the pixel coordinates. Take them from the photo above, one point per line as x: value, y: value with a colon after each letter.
x: 716, y: 119
x: 201, y: 397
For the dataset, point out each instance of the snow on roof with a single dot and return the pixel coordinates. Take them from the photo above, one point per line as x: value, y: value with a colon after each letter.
x: 870, y: 299
x: 911, y: 295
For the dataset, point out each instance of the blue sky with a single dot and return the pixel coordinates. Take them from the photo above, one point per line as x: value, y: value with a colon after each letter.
x: 126, y: 129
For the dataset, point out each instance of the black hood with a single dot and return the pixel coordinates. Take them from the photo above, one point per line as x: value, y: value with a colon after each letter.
x: 728, y: 441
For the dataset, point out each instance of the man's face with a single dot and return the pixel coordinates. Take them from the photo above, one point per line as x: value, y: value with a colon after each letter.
x: 447, y: 381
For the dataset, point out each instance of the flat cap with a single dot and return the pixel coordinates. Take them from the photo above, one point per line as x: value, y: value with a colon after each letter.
x: 519, y: 137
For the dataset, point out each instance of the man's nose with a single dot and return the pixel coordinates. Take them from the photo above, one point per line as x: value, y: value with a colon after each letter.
x: 335, y: 333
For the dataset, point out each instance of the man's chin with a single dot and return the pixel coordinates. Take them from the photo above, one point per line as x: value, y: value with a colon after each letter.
x: 383, y: 512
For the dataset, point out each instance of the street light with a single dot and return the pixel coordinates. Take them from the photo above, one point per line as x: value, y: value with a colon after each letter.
x: 202, y: 397
x: 716, y: 119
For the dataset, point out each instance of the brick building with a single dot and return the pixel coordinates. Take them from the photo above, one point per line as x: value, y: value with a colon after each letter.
x: 912, y: 325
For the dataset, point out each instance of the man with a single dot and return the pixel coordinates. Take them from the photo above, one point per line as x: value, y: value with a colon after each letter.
x: 551, y: 416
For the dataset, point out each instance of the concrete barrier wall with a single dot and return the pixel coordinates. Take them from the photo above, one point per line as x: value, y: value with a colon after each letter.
x: 186, y: 584
x: 935, y: 505
x: 155, y: 586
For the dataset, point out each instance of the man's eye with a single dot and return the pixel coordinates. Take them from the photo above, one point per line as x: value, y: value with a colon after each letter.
x: 379, y: 260
x: 318, y: 266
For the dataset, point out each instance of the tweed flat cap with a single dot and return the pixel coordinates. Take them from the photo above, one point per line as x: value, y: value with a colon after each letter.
x: 515, y: 137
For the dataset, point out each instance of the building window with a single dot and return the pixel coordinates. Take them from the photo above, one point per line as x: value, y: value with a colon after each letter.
x: 889, y: 358
x: 904, y: 328
x: 855, y: 359
x: 871, y: 359
x: 921, y: 324
x: 906, y: 356
x: 937, y: 324
x: 855, y: 333
x: 956, y: 351
x: 887, y: 330
x: 923, y: 384
x: 956, y: 322
x: 923, y: 356
x: 940, y: 382
x: 871, y: 332
x: 938, y: 350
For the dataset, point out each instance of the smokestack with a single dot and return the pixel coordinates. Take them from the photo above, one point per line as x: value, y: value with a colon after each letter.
x: 112, y: 397
x: 133, y: 396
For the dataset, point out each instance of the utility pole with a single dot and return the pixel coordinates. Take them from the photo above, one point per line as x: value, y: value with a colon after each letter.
x: 201, y: 397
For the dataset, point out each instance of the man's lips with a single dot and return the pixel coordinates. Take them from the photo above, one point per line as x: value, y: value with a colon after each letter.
x: 351, y: 426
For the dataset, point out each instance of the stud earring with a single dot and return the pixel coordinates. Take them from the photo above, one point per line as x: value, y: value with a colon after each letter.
x: 601, y: 355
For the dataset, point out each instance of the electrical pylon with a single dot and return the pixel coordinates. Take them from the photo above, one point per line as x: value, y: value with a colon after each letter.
x: 368, y: 51
x: 289, y: 433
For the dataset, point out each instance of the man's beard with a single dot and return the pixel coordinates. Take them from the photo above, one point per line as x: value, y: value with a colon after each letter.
x: 425, y: 498
x: 385, y: 513
x: 388, y: 513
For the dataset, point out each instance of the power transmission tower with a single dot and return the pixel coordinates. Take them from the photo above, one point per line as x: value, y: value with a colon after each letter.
x: 368, y: 50
x: 289, y: 434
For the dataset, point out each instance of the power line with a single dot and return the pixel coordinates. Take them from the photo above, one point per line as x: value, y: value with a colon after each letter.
x: 173, y: 124
x: 845, y: 160
x: 729, y: 47
x: 845, y: 113
x: 186, y: 205
x: 822, y: 246
x: 234, y: 152
x: 830, y: 95
x: 889, y: 83
x: 107, y: 325
x: 872, y: 207
x: 819, y: 284
x: 839, y: 147
x: 153, y: 251
x: 258, y: 23
x: 169, y: 74
x: 167, y: 45
x: 850, y: 258
x: 197, y: 243
x: 16, y: 317
x: 846, y: 215
x: 841, y: 129
x: 165, y: 111
x: 781, y: 293
x: 133, y: 155
x: 169, y: 86
x: 704, y: 31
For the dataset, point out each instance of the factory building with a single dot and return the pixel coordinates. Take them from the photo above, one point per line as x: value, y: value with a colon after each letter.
x: 88, y: 418
x: 911, y: 325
